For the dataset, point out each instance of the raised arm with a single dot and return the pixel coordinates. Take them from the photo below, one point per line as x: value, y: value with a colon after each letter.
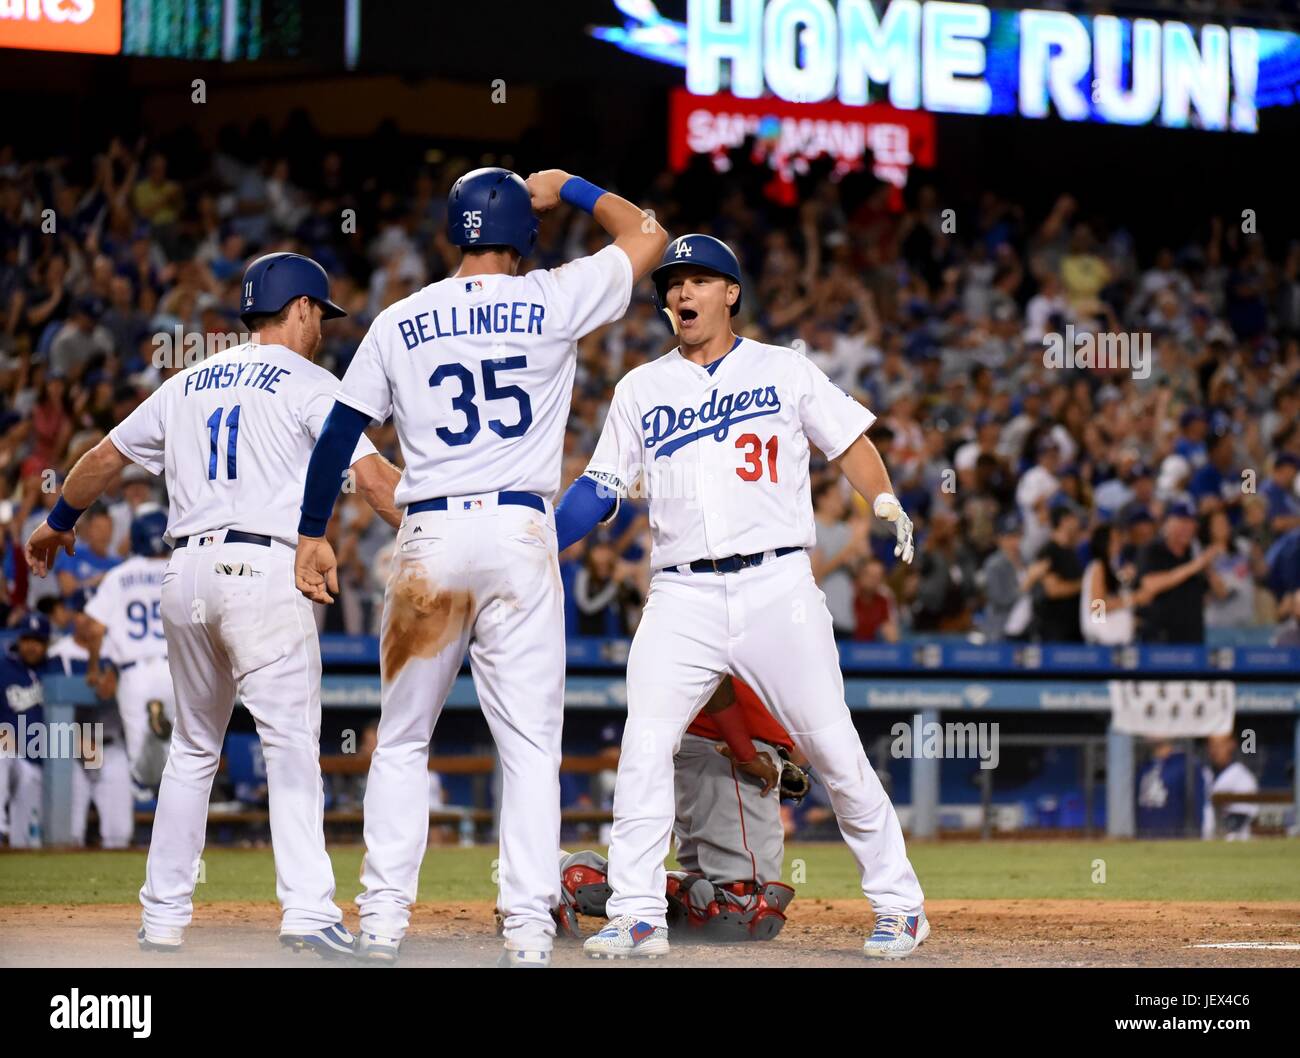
x: 635, y: 231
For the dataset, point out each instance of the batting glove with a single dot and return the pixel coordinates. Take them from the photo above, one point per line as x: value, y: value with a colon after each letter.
x: 889, y: 509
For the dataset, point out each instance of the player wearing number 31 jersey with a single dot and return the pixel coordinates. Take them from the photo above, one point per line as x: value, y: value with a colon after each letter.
x: 718, y: 432
x: 477, y: 373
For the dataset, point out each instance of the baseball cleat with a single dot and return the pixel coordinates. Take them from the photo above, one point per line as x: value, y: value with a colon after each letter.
x: 524, y: 960
x: 381, y: 951
x: 160, y: 938
x: 628, y: 938
x: 332, y: 942
x: 896, y: 936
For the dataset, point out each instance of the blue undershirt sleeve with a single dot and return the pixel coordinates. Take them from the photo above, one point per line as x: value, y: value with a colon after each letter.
x: 329, y: 459
x: 584, y: 504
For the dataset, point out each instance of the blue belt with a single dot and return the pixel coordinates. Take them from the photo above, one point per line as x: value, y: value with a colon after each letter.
x: 233, y: 536
x: 516, y: 499
x: 132, y: 664
x: 733, y: 563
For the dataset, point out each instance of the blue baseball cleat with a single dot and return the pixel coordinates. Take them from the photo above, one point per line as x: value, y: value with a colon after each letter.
x: 332, y: 942
x: 896, y: 936
x: 628, y: 938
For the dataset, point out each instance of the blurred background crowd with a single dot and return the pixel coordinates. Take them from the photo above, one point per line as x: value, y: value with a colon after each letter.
x: 1151, y: 502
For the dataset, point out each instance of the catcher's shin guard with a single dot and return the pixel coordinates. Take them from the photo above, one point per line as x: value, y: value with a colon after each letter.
x: 691, y: 899
x: 584, y: 883
x: 768, y: 917
x: 744, y: 912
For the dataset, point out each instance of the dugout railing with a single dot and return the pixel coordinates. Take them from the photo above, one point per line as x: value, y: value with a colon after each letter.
x: 943, y: 680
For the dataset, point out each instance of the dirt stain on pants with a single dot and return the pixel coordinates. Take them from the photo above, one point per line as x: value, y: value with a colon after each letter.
x: 422, y: 619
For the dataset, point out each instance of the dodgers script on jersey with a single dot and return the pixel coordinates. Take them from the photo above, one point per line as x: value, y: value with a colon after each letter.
x: 234, y: 434
x: 128, y: 603
x: 477, y: 372
x: 723, y: 456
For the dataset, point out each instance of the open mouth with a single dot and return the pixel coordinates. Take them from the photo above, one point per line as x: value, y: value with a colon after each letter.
x: 686, y: 315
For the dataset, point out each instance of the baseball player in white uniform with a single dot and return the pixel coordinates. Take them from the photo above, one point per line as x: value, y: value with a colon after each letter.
x: 233, y: 435
x: 477, y: 371
x: 123, y: 619
x: 102, y: 776
x: 718, y: 431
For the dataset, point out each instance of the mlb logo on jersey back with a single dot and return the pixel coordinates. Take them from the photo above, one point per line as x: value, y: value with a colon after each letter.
x: 473, y: 286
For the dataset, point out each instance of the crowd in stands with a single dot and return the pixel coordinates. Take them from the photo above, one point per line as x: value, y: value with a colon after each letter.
x: 1144, y: 502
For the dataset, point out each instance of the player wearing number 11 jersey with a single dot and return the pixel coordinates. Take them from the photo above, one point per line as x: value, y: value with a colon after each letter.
x: 477, y: 373
x: 232, y: 435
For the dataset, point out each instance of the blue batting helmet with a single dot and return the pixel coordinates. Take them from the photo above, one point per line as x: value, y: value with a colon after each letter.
x: 147, y: 531
x: 34, y: 626
x: 491, y: 207
x: 702, y: 251
x: 272, y: 281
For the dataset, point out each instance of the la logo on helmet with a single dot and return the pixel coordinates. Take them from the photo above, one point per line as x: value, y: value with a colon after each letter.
x: 683, y: 250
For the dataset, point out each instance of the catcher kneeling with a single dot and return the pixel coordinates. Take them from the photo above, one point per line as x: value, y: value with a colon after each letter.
x: 729, y: 835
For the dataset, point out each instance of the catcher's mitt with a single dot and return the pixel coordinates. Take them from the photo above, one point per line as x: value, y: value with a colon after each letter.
x: 795, y: 781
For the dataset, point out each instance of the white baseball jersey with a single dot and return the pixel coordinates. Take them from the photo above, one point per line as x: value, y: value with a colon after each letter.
x: 723, y: 456
x: 128, y: 604
x: 477, y: 372
x: 234, y: 434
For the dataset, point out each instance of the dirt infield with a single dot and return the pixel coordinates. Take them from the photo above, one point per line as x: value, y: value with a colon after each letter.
x: 820, y: 933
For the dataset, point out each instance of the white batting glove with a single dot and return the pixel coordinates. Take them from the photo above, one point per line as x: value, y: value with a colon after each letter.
x: 889, y: 509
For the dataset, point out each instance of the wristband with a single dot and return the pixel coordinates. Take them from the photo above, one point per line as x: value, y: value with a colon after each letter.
x: 63, y: 516
x: 886, y: 504
x: 581, y: 193
x: 731, y: 725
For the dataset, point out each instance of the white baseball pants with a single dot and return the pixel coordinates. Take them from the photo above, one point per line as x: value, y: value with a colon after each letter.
x: 137, y: 686
x: 22, y: 784
x: 235, y: 621
x: 768, y: 625
x: 483, y: 576
x: 108, y: 788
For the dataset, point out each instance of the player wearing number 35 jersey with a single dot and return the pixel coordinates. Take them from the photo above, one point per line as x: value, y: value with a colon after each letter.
x: 477, y: 373
x: 718, y: 432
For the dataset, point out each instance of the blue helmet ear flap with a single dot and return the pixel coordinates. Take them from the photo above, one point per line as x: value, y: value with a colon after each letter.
x: 665, y: 313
